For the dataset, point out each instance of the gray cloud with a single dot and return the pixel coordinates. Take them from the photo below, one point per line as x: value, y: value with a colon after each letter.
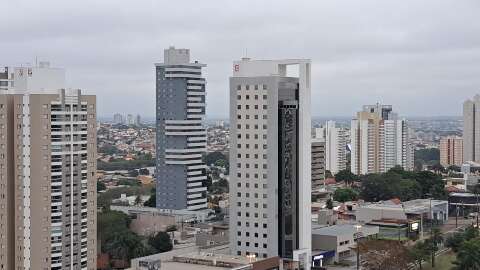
x: 421, y: 56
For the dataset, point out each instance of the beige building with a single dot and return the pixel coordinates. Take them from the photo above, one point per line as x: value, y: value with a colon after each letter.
x: 451, y: 151
x: 380, y: 141
x: 47, y: 173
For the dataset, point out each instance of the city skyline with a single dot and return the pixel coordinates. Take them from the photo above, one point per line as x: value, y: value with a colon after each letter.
x: 364, y: 54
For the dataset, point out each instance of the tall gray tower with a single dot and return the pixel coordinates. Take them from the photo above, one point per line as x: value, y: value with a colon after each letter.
x: 471, y: 129
x: 181, y: 135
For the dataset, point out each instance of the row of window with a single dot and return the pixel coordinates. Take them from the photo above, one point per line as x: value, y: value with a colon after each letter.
x: 247, y: 214
x: 247, y: 205
x: 255, y: 156
x: 254, y: 87
x: 255, y: 224
x: 247, y: 185
x: 247, y: 126
x: 247, y: 116
x: 247, y: 107
x: 264, y: 255
x: 247, y: 165
x: 247, y: 244
x: 247, y: 175
x: 247, y: 97
x: 247, y: 146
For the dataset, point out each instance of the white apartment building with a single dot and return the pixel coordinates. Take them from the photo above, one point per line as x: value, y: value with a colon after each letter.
x: 380, y: 141
x: 270, y: 157
x: 47, y: 173
x: 335, y: 146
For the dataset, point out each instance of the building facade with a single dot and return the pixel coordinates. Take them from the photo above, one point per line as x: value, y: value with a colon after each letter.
x: 471, y: 129
x: 181, y: 134
x: 270, y: 157
x: 318, y: 161
x: 380, y: 141
x: 335, y: 146
x: 47, y: 173
x: 451, y: 151
x: 118, y: 119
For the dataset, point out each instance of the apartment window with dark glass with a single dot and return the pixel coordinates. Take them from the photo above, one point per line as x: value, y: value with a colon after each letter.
x: 239, y: 87
x: 247, y: 87
x: 256, y: 86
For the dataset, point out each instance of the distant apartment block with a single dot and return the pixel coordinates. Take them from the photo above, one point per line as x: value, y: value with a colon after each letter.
x: 118, y: 119
x: 335, y: 146
x: 380, y: 141
x: 451, y: 151
x: 471, y: 129
x: 270, y: 157
x: 318, y: 161
x: 181, y: 134
x: 47, y: 172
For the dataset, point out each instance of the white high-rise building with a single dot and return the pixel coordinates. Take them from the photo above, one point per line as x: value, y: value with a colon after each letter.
x: 335, y: 146
x: 380, y: 141
x: 270, y: 157
x: 471, y: 129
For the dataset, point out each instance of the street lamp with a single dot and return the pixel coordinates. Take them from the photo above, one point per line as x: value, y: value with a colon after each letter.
x: 358, y: 227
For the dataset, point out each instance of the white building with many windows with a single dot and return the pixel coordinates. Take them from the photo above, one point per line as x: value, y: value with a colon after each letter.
x: 335, y: 146
x: 380, y: 141
x: 270, y: 160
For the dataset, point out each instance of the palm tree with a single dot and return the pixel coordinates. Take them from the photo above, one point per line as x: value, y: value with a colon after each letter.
x: 420, y: 253
x: 468, y: 257
x: 435, y: 239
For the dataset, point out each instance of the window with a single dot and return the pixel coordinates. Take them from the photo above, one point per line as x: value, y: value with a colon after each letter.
x: 264, y: 96
x: 239, y: 87
x: 247, y: 97
x: 247, y: 87
x: 256, y: 97
x: 264, y: 87
x: 256, y: 86
x: 239, y: 194
x: 264, y: 107
x: 239, y: 116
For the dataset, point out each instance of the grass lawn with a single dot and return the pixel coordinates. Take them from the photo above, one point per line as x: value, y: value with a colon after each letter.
x: 442, y: 262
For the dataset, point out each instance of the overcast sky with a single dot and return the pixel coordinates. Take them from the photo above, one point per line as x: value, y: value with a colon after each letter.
x: 423, y: 57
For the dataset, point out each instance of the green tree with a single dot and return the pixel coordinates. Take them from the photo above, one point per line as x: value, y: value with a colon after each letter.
x: 375, y: 188
x: 428, y: 156
x: 420, y: 252
x: 144, y: 171
x: 101, y: 186
x: 468, y: 256
x: 435, y: 239
x: 329, y: 204
x: 345, y: 176
x: 152, y: 201
x: 161, y: 242
x: 212, y: 157
x: 328, y: 174
x: 133, y: 173
x: 344, y: 195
